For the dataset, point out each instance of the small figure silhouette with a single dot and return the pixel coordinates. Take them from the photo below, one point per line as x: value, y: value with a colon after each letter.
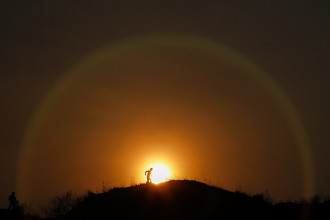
x: 148, y: 173
x: 13, y: 202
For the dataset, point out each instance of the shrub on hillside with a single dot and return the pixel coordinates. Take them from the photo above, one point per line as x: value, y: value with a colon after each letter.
x: 61, y: 205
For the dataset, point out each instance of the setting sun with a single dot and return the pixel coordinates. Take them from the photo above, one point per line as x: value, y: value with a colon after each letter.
x: 160, y: 173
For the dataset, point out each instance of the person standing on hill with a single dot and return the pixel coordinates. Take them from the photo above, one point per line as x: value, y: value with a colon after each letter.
x: 148, y: 174
x: 12, y: 201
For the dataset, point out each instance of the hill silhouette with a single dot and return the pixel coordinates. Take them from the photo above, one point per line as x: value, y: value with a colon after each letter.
x: 184, y: 199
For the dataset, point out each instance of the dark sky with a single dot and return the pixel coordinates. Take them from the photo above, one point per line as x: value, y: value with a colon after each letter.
x: 41, y: 41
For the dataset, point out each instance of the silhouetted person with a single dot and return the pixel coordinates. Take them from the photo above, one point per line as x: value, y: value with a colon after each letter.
x: 148, y: 173
x: 13, y: 202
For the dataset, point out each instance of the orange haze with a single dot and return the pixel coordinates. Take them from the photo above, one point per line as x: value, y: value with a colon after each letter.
x: 199, y: 113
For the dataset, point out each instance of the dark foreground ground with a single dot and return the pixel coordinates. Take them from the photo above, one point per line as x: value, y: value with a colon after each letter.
x: 184, y: 199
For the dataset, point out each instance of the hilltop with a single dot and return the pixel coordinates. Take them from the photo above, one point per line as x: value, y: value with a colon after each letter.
x: 185, y: 199
x: 176, y: 199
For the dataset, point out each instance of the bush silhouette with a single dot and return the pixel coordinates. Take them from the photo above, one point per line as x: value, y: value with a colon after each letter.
x: 61, y: 205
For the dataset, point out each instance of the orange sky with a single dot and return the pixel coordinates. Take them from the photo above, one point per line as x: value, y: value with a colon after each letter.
x: 150, y: 101
x: 88, y: 97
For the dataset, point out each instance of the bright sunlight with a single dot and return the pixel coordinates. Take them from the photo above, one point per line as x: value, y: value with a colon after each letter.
x: 160, y: 173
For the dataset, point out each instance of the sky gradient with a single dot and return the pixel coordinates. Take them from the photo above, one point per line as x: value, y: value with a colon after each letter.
x: 95, y: 92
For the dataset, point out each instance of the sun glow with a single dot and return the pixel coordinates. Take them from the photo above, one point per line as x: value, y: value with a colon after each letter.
x: 160, y: 173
